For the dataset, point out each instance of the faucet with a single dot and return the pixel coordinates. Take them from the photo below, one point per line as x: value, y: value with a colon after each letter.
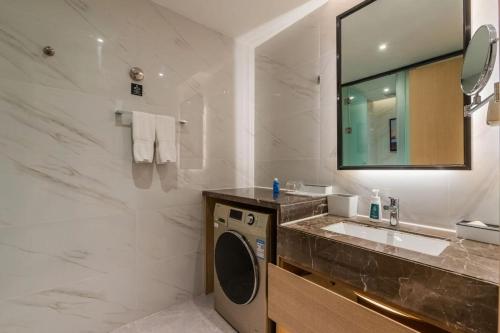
x: 393, y: 209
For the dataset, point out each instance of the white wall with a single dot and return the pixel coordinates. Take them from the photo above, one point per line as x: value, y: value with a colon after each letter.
x: 287, y: 105
x: 88, y: 240
x: 439, y: 198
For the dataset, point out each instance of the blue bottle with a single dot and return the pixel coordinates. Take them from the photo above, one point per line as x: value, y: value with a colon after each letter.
x: 276, y: 188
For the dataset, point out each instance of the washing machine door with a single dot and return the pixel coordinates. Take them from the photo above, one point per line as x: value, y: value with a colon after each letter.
x: 236, y: 267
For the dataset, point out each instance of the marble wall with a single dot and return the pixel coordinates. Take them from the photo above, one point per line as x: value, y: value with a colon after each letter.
x: 287, y: 105
x: 438, y: 198
x: 89, y: 240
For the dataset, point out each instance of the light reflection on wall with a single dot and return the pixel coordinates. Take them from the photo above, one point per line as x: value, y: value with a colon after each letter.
x: 244, y: 75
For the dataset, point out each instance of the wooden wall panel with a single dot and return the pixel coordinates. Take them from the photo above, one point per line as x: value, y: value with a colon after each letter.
x: 436, y: 114
x: 208, y: 209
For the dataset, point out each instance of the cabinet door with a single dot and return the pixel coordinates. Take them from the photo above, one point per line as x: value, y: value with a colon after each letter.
x: 305, y: 307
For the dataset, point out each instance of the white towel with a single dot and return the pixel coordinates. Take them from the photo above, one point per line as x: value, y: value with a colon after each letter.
x: 143, y: 135
x: 166, y: 150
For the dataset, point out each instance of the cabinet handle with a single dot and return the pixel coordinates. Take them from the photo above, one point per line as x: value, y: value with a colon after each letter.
x: 384, y: 308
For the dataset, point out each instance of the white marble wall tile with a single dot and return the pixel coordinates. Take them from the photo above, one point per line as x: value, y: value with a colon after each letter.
x: 281, y: 90
x: 169, y: 232
x: 129, y: 31
x: 91, y: 241
x: 293, y: 137
x: 97, y: 304
x: 46, y: 255
x: 287, y: 118
x: 161, y: 284
x: 286, y: 170
x: 191, y: 153
x: 166, y: 271
x: 439, y: 198
x: 476, y: 194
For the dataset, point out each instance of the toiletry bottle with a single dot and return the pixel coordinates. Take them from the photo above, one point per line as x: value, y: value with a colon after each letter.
x: 375, y: 207
x: 276, y: 188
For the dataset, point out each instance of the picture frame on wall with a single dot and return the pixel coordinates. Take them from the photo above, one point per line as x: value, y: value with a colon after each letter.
x: 393, y: 141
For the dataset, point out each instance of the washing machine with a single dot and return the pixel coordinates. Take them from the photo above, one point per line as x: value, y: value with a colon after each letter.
x: 241, y: 253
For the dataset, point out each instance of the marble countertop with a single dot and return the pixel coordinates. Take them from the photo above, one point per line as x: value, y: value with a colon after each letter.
x: 458, y: 289
x: 259, y: 196
x: 469, y: 258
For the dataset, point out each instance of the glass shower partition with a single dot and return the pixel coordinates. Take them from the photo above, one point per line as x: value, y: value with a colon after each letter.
x: 354, y: 126
x: 375, y: 129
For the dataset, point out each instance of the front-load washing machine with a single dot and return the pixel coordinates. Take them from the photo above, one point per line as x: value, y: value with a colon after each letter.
x: 242, y: 251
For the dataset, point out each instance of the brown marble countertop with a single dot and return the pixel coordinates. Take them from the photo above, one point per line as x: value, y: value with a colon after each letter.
x: 469, y: 258
x: 458, y: 289
x: 259, y: 196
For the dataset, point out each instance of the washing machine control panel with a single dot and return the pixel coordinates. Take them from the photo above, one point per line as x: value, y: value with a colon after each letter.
x: 241, y: 220
x: 242, y: 217
x: 250, y: 219
x: 236, y: 214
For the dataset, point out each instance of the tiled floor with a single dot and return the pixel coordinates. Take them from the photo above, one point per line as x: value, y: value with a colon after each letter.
x: 194, y: 316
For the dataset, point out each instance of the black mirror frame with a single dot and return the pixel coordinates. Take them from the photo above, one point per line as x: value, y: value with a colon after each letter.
x: 467, y: 121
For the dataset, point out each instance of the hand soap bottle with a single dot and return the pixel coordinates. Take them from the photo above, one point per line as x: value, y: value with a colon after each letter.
x: 375, y: 207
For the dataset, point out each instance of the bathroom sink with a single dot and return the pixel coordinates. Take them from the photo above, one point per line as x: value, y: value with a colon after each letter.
x: 422, y: 244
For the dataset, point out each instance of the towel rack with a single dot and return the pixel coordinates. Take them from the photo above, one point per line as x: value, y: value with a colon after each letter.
x: 122, y: 112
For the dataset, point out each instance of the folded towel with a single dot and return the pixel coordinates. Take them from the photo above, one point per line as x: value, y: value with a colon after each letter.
x: 143, y: 136
x: 166, y: 150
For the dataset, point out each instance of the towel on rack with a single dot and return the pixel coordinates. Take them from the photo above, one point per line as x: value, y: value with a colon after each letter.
x: 143, y: 136
x: 166, y: 150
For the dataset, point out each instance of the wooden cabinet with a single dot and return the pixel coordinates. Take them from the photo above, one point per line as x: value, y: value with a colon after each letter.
x: 311, y: 304
x: 281, y: 329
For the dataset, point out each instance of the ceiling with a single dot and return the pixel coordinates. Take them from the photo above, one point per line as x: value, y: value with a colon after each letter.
x: 231, y: 17
x: 412, y: 30
x: 379, y: 88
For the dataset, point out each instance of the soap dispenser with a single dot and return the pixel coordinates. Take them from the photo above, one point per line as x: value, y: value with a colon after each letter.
x: 375, y: 207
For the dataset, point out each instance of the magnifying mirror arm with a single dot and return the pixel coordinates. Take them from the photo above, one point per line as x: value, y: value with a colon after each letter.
x: 477, y: 103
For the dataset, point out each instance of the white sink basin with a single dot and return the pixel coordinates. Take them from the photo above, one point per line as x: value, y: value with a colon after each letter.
x: 427, y: 245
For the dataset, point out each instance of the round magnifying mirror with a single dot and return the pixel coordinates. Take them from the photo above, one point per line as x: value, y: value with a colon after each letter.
x: 479, y: 60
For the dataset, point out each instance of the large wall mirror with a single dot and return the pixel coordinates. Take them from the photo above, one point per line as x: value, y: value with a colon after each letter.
x: 400, y: 104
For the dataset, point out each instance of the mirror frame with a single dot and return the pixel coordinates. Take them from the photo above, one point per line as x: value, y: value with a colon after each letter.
x: 466, y: 99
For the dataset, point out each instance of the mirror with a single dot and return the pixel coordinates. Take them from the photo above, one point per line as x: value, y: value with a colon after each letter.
x: 478, y: 65
x: 400, y: 103
x: 479, y: 60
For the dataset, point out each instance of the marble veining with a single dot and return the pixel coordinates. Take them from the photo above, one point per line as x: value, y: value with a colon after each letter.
x: 293, y: 142
x: 469, y: 258
x: 287, y: 207
x: 459, y: 288
x: 258, y: 195
x: 287, y: 105
x: 90, y: 241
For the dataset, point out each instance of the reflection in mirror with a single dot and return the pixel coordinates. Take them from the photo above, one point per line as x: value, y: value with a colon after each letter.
x: 478, y: 65
x: 400, y: 103
x: 479, y: 60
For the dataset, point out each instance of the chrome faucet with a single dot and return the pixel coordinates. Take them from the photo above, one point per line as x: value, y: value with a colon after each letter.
x: 393, y: 209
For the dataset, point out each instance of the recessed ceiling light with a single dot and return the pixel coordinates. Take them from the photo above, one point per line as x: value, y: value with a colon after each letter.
x: 161, y: 74
x: 386, y: 90
x: 351, y: 98
x: 382, y: 47
x: 100, y: 40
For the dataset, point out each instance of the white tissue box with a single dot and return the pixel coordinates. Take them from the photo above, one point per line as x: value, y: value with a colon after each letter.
x: 487, y: 234
x: 345, y: 205
x: 316, y: 189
